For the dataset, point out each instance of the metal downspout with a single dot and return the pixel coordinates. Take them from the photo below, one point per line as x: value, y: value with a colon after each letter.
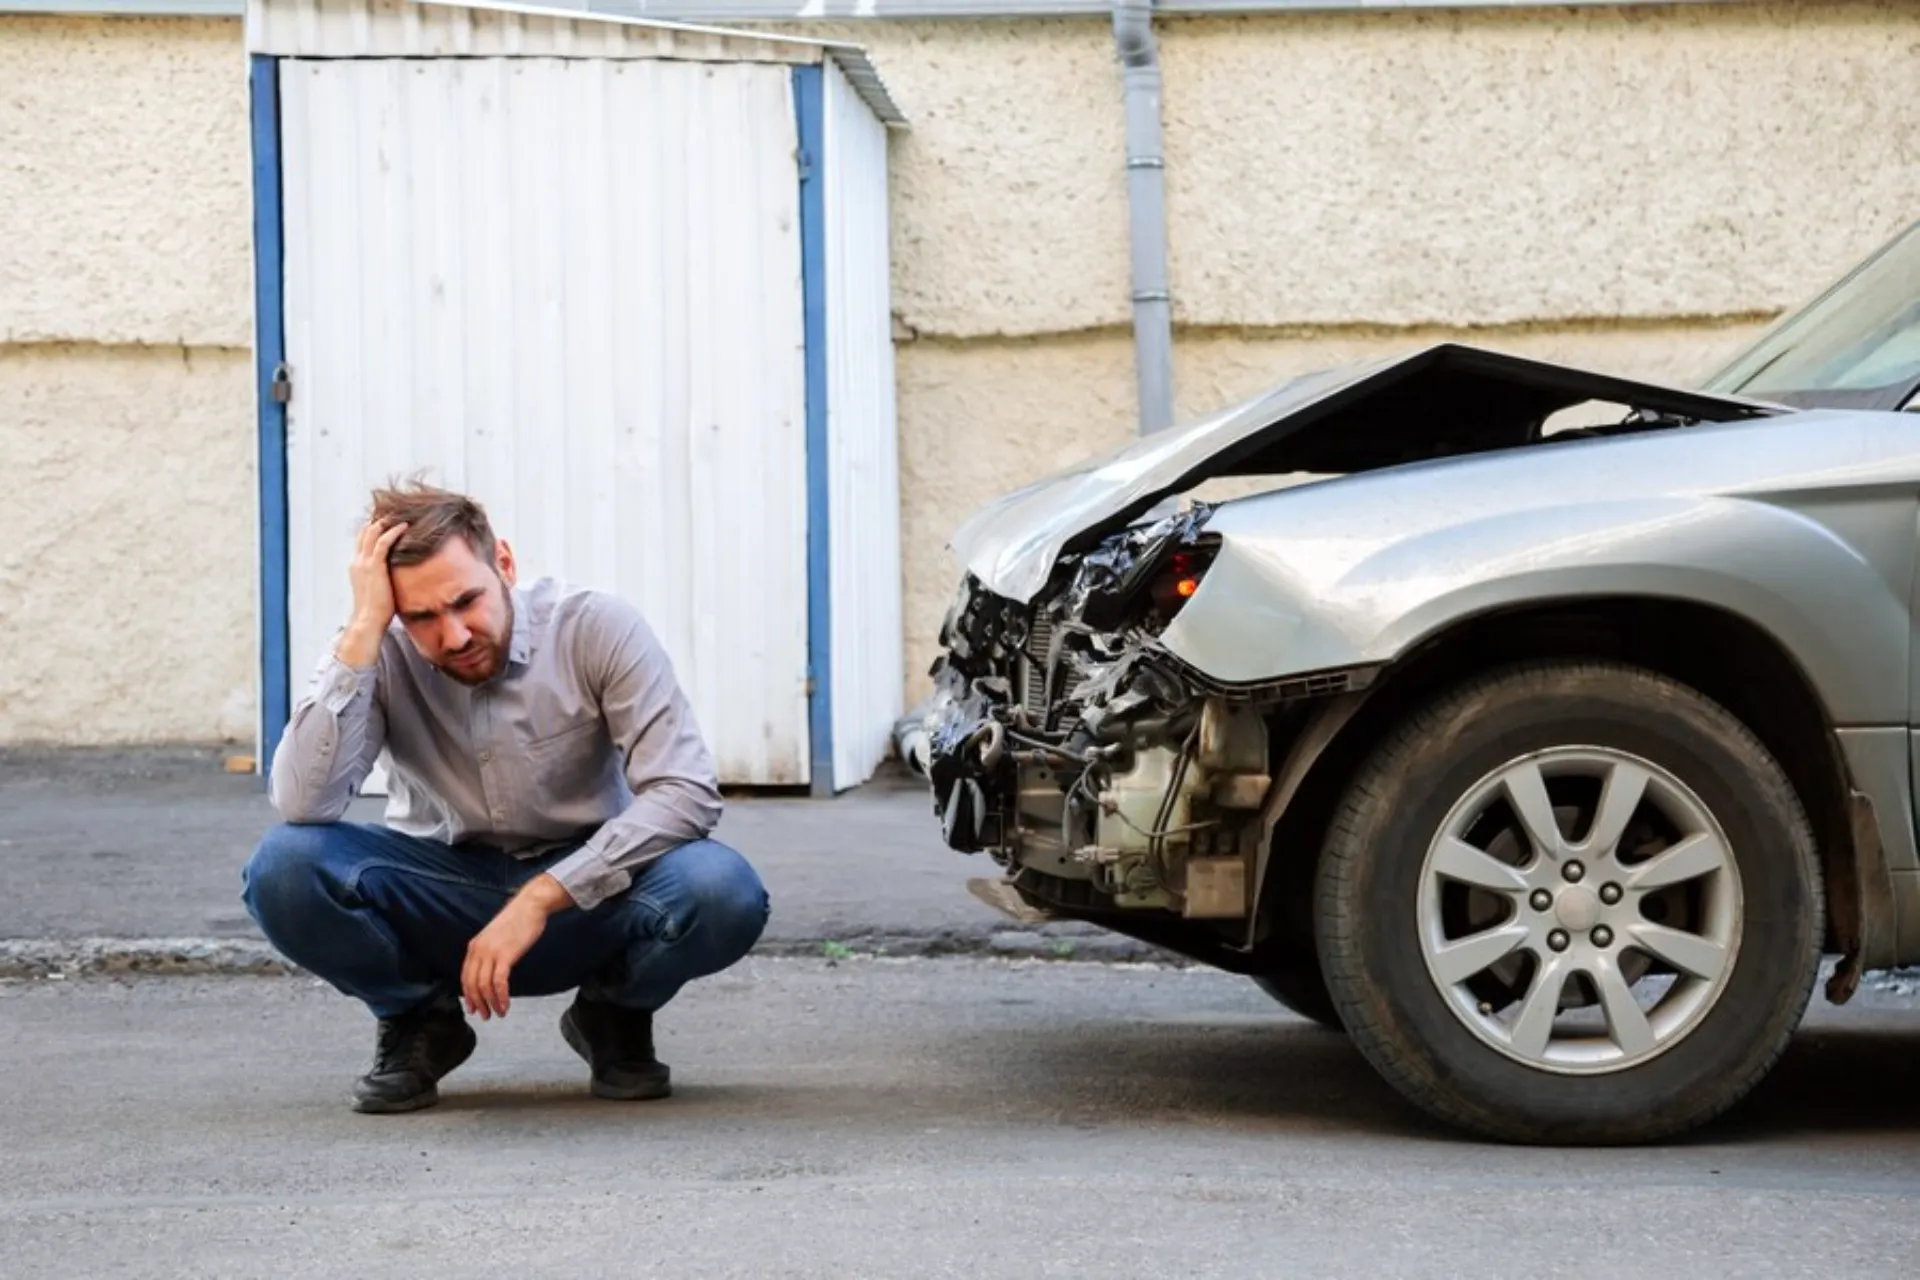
x: 1146, y: 211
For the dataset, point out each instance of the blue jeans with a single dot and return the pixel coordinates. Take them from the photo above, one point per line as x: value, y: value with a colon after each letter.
x: 386, y: 918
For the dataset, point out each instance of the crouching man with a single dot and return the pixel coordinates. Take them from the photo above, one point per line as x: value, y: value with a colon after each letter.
x: 547, y: 822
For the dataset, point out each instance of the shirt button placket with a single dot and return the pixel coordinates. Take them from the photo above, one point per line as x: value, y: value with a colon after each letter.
x: 487, y: 788
x: 483, y: 722
x: 493, y: 791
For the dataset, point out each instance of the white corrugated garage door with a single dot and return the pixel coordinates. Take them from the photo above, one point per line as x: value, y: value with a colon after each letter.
x: 573, y: 288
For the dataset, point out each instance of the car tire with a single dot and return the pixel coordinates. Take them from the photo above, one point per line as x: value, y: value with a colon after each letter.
x: 1386, y: 938
x: 1298, y: 987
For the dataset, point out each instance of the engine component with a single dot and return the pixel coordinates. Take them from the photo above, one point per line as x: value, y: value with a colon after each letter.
x: 1149, y: 803
x: 1161, y: 836
x: 1062, y: 741
x: 1216, y: 889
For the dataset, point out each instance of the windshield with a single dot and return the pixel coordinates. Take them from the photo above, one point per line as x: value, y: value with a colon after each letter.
x: 1855, y: 346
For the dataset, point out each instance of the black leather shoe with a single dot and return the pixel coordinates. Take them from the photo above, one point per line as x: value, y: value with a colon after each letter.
x: 618, y: 1044
x: 413, y: 1051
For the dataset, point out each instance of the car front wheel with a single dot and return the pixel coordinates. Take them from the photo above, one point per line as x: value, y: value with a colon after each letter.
x: 1570, y: 903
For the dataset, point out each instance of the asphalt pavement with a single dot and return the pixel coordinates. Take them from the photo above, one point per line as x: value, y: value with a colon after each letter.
x: 930, y: 1110
x: 924, y: 1117
x: 136, y: 854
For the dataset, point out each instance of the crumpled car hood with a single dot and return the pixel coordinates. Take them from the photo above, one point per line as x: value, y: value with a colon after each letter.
x: 1442, y: 401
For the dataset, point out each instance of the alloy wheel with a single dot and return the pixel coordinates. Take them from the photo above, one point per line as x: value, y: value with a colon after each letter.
x: 1580, y: 910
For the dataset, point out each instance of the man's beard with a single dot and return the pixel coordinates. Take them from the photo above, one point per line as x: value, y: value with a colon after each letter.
x: 495, y: 650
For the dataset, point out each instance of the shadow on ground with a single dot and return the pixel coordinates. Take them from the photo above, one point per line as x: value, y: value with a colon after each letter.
x: 1271, y: 1076
x: 1836, y: 1078
x: 1283, y: 1072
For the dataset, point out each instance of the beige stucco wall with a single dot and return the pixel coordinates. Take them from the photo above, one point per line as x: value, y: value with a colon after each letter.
x: 1637, y: 188
x: 1401, y: 168
x: 125, y: 212
x: 126, y: 403
x: 126, y: 545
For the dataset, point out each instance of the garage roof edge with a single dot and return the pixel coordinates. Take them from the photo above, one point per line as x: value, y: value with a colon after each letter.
x: 425, y: 28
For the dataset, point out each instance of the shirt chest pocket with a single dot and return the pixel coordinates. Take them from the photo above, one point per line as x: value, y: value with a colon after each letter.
x: 570, y: 763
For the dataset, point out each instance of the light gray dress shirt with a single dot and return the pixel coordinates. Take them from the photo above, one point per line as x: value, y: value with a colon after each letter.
x: 584, y: 735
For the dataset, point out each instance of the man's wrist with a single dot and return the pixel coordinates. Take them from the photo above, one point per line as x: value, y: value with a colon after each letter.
x: 545, y: 894
x: 359, y: 644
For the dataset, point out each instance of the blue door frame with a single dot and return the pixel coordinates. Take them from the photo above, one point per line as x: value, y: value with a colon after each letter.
x: 809, y: 99
x: 809, y: 86
x: 269, y: 346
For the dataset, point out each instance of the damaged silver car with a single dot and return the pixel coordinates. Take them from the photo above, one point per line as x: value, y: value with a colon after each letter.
x: 1539, y: 728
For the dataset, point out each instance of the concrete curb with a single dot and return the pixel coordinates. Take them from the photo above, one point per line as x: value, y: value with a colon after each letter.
x: 1063, y: 943
x: 78, y: 957
x: 54, y: 958
x: 42, y: 959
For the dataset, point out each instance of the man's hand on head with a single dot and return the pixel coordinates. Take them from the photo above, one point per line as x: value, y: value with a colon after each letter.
x: 484, y: 978
x: 359, y: 646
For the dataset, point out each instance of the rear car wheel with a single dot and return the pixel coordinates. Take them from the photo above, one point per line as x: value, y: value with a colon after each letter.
x: 1298, y: 986
x: 1570, y: 903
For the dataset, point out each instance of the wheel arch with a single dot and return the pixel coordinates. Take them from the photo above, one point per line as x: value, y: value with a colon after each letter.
x: 1724, y: 656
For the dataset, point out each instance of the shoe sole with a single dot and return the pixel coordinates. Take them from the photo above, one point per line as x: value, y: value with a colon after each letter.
x: 380, y: 1107
x: 645, y: 1091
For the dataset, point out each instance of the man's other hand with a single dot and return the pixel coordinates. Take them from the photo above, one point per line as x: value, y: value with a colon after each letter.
x: 485, y: 976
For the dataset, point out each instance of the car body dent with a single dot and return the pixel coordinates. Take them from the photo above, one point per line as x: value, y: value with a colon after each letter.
x: 1011, y: 543
x: 1441, y: 400
x: 1355, y: 572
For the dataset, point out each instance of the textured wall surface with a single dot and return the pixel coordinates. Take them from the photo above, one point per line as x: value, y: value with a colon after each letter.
x: 126, y: 399
x: 125, y: 215
x: 1405, y: 168
x: 126, y: 545
x: 1009, y: 195
x: 1488, y: 168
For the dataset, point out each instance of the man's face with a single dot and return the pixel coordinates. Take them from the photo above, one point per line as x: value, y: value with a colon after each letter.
x: 457, y: 610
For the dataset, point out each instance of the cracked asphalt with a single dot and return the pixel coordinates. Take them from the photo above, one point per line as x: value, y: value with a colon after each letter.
x: 927, y: 1117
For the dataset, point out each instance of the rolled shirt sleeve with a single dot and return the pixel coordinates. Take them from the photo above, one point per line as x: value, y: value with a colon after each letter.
x: 676, y: 797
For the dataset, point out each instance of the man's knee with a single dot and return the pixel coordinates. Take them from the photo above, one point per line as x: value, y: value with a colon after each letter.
x: 728, y: 903
x: 287, y: 873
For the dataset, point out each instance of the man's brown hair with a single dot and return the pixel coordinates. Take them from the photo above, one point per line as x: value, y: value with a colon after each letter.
x: 432, y: 516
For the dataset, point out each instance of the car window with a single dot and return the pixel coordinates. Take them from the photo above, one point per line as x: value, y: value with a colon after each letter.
x: 1857, y: 345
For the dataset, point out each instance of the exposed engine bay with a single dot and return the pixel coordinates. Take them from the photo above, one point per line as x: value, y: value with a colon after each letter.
x: 1102, y: 773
